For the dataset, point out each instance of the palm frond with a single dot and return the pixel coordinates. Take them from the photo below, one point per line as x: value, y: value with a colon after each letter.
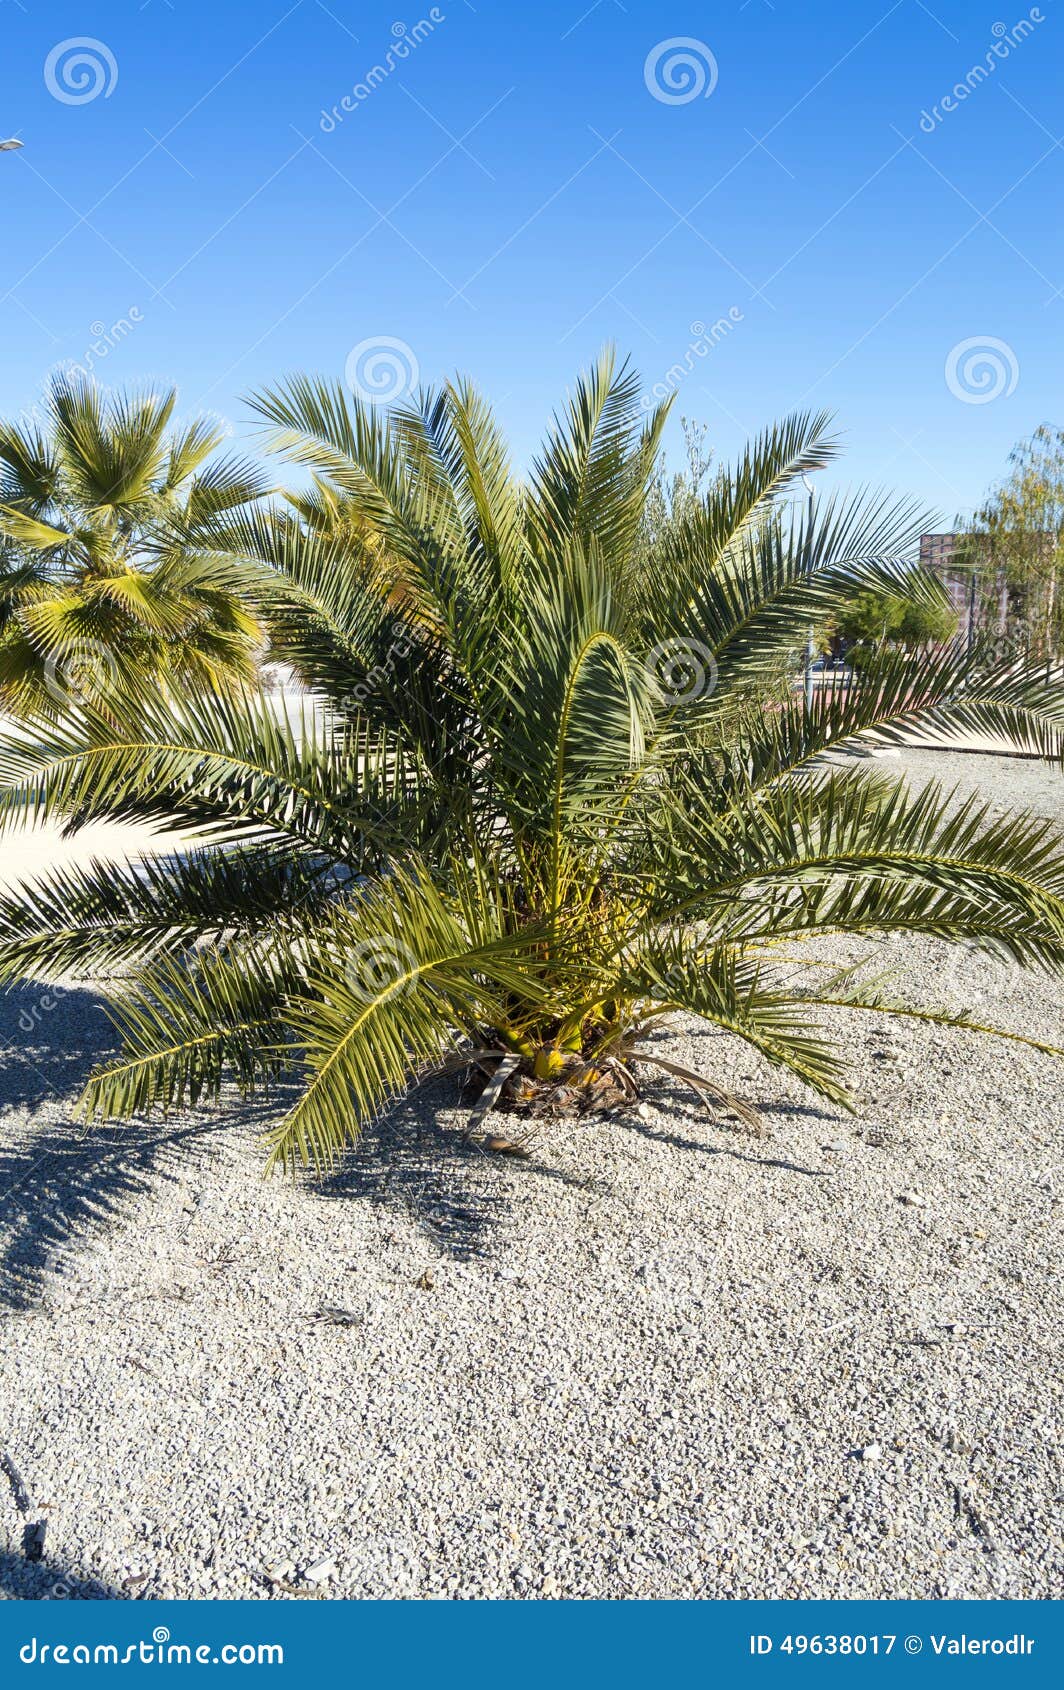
x: 721, y: 988
x: 392, y: 983
x: 185, y: 1030
x: 106, y: 916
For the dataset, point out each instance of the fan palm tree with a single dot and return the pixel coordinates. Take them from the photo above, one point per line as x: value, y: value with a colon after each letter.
x: 103, y: 576
x: 506, y: 832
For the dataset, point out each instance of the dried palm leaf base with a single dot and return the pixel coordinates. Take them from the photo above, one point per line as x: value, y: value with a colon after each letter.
x: 499, y: 1080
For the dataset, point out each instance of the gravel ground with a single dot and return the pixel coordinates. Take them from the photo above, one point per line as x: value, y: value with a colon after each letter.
x: 659, y: 1358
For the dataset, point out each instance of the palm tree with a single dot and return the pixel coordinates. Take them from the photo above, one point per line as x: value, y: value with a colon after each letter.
x: 104, y: 576
x: 506, y: 832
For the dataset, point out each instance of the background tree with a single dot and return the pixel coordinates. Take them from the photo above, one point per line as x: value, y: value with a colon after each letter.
x: 873, y: 620
x: 673, y: 494
x: 109, y: 573
x: 1015, y: 547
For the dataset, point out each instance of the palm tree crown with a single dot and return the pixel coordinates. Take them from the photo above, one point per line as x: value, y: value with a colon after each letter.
x: 102, y: 576
x: 534, y: 802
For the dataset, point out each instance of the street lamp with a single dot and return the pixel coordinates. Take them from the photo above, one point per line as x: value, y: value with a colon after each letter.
x: 10, y: 146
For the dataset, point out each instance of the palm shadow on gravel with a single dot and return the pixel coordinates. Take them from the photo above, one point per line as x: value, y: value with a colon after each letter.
x: 414, y: 1167
x: 719, y: 1138
x: 35, y: 1581
x: 60, y: 1183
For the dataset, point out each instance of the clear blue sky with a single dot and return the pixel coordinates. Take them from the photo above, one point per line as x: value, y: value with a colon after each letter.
x: 511, y: 194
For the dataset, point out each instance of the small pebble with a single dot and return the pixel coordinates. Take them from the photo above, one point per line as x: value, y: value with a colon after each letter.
x: 319, y: 1572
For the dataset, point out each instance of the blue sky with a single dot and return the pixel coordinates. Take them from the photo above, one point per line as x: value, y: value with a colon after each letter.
x: 512, y: 191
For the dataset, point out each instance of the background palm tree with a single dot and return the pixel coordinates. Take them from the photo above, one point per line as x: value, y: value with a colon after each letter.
x: 106, y: 576
x: 511, y: 833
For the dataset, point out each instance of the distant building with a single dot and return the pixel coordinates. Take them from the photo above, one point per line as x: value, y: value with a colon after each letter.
x: 936, y: 550
x: 936, y: 555
x: 964, y: 586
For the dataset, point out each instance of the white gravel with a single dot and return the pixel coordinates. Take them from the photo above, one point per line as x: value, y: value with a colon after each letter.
x: 657, y: 1359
